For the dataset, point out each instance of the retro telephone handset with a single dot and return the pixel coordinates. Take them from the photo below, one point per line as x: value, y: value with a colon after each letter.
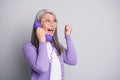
x: 48, y: 37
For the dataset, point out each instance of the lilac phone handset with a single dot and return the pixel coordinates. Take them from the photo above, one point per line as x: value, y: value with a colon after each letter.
x: 48, y: 37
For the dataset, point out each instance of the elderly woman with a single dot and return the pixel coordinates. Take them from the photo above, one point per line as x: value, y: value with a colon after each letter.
x: 44, y: 54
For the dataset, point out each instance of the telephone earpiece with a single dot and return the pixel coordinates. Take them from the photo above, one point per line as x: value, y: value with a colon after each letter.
x: 36, y: 25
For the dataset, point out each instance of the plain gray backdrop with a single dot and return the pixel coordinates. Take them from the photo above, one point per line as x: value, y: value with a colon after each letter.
x: 96, y: 36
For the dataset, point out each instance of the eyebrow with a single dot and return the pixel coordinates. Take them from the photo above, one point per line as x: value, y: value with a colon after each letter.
x: 49, y: 18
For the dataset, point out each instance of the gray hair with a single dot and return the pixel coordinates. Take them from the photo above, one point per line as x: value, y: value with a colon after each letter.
x: 55, y: 41
x: 41, y: 13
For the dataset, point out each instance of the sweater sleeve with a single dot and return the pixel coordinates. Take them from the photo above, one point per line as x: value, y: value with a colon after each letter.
x: 37, y: 61
x: 69, y: 55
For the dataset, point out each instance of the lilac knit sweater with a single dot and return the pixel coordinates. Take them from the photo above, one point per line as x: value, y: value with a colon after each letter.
x: 39, y: 62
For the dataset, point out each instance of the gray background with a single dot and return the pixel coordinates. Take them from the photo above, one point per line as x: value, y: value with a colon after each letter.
x: 96, y: 36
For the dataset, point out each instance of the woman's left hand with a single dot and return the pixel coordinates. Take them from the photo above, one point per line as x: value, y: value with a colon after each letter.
x: 68, y: 30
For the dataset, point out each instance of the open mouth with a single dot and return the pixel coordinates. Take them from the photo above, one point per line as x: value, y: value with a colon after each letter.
x: 50, y: 31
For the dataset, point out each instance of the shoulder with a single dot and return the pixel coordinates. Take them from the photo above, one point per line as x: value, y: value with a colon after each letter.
x: 28, y: 48
x: 28, y: 45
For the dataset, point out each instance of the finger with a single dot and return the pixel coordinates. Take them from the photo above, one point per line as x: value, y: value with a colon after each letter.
x: 38, y: 29
x: 41, y: 29
x: 67, y: 27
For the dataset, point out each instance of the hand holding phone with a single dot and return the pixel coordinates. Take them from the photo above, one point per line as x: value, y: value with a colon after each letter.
x: 40, y: 33
x: 37, y: 25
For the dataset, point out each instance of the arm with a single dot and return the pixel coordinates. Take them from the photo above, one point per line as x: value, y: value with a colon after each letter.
x: 37, y: 61
x: 69, y: 55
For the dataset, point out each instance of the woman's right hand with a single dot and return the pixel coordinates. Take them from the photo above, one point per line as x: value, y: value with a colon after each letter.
x: 40, y: 34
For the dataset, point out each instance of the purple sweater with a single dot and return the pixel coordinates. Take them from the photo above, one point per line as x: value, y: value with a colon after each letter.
x: 39, y: 62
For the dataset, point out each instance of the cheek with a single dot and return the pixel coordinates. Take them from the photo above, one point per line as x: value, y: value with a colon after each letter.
x: 55, y: 26
x: 45, y: 27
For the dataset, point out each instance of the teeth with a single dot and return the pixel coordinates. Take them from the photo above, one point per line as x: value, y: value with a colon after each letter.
x: 50, y: 30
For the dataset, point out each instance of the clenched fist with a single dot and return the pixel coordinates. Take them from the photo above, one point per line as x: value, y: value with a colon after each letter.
x: 68, y: 29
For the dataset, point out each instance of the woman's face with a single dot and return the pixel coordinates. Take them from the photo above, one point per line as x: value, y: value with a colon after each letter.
x: 49, y: 23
